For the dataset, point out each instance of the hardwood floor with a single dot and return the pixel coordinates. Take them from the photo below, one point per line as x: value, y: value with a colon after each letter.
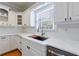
x: 15, y: 52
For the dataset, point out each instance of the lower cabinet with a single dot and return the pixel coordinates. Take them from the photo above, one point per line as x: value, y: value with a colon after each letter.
x: 19, y: 42
x: 4, y: 44
x: 7, y: 43
x: 29, y: 51
x: 13, y: 42
x: 30, y: 48
x: 26, y: 46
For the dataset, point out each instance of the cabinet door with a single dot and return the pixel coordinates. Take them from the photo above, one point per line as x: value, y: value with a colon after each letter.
x: 19, y: 42
x: 12, y: 19
x: 60, y: 11
x: 28, y: 50
x: 12, y: 43
x: 4, y: 42
x: 36, y: 49
x: 74, y: 10
x: 39, y: 48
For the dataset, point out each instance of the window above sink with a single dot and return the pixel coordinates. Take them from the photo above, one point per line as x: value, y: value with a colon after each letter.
x: 43, y: 17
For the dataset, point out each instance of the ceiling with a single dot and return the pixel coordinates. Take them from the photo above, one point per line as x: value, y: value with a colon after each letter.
x: 18, y: 6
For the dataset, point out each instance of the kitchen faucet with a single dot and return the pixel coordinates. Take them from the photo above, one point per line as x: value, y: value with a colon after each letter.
x: 42, y: 31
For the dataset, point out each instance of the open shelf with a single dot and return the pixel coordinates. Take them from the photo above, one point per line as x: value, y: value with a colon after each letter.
x: 3, y: 15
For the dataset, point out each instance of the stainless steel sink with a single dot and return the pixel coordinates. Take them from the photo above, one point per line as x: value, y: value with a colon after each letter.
x: 37, y: 37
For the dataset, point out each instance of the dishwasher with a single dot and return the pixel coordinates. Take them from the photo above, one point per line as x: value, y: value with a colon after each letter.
x: 52, y: 51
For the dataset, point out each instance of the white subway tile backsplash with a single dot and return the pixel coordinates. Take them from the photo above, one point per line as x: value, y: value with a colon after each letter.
x: 10, y: 30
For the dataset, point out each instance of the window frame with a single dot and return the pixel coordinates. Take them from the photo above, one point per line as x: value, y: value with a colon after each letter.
x: 50, y: 6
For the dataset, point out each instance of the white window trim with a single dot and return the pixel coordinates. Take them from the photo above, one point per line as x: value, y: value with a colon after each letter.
x: 33, y: 17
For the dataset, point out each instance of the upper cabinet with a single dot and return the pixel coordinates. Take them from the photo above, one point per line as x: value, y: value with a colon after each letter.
x: 19, y: 19
x: 9, y: 17
x: 4, y: 10
x: 3, y: 15
x: 12, y: 18
x: 60, y: 11
x: 15, y: 18
x: 66, y: 12
x: 74, y: 10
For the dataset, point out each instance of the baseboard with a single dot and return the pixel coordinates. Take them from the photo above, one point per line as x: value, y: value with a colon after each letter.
x: 11, y: 51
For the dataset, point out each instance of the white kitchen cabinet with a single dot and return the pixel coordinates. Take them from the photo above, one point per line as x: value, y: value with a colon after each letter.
x: 4, y: 42
x: 26, y: 17
x: 8, y: 43
x: 12, y: 42
x: 40, y: 48
x: 66, y: 11
x: 74, y: 10
x: 60, y: 11
x: 26, y: 46
x: 31, y: 48
x: 3, y: 14
x: 19, y: 18
x: 27, y: 50
x: 12, y: 18
x: 19, y: 42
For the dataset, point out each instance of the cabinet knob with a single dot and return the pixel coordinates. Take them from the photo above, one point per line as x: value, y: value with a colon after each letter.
x: 28, y: 47
x: 65, y: 19
x: 70, y: 18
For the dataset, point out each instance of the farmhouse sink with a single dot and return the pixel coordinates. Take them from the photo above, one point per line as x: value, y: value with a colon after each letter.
x: 37, y: 37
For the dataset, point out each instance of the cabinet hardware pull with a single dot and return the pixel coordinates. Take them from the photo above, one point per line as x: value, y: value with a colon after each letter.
x: 65, y: 19
x: 28, y: 47
x: 70, y: 18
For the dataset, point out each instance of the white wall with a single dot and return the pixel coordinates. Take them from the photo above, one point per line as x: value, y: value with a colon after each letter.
x: 70, y: 33
x: 10, y: 30
x: 27, y: 18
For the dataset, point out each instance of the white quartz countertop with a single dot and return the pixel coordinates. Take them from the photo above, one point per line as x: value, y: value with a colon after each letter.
x: 63, y: 42
x: 66, y: 44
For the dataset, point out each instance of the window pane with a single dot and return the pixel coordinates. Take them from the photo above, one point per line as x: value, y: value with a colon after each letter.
x: 45, y: 17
